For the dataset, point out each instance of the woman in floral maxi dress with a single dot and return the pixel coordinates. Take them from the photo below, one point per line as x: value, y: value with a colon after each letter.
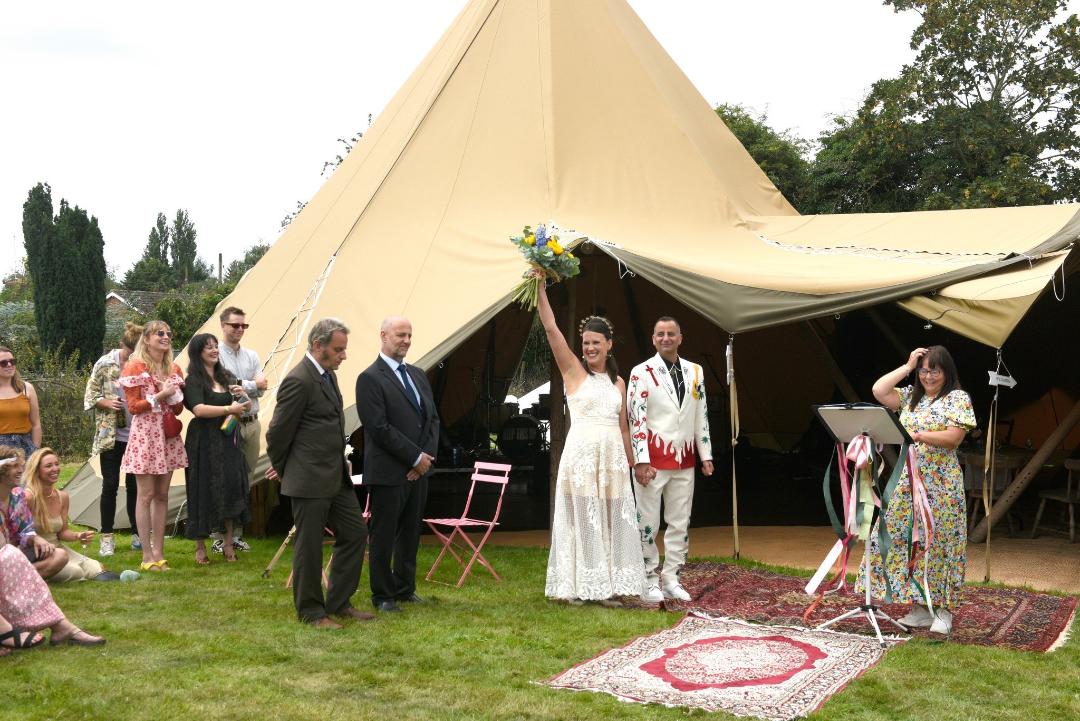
x: 937, y: 415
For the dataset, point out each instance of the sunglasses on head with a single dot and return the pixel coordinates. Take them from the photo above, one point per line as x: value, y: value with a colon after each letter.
x: 8, y: 363
x: 238, y: 326
x: 163, y: 333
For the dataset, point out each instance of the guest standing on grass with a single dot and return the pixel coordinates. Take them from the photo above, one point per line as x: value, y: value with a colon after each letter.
x: 937, y: 414
x: 17, y: 519
x: 112, y: 423
x: 20, y: 418
x: 401, y: 435
x: 305, y: 442
x: 244, y: 364
x: 50, y: 507
x: 595, y: 551
x: 217, y: 475
x: 153, y: 386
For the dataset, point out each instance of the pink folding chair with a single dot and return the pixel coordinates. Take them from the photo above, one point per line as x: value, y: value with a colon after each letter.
x: 450, y: 529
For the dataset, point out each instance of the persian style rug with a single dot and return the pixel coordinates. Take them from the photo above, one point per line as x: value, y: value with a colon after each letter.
x: 1003, y: 617
x: 769, y: 672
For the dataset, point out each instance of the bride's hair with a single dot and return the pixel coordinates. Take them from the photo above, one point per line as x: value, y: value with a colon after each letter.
x: 601, y: 325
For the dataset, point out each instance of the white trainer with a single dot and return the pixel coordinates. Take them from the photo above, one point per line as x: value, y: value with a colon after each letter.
x: 677, y: 592
x: 108, y: 546
x: 919, y: 617
x: 652, y: 595
x: 942, y: 623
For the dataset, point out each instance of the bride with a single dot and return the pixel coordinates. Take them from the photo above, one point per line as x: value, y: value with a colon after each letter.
x: 595, y: 547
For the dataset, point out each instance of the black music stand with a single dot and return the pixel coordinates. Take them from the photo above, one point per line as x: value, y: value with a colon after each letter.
x: 846, y: 421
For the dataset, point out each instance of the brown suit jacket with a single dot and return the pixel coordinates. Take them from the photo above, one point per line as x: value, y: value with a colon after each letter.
x: 306, y: 437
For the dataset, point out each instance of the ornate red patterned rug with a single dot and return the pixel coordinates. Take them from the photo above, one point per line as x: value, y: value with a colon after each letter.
x: 769, y: 672
x: 1003, y: 617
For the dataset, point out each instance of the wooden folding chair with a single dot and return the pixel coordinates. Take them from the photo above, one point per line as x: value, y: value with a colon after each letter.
x: 449, y: 529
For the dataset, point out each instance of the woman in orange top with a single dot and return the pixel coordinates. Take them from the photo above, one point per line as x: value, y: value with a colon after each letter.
x: 20, y: 421
x: 153, y: 386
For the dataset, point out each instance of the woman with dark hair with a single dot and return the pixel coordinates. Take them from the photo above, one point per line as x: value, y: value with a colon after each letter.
x: 595, y: 545
x: 217, y: 474
x: 927, y: 574
x: 112, y: 423
x: 153, y: 387
x: 20, y: 418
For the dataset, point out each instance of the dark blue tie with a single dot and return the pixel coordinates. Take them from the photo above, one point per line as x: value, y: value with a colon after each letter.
x: 330, y: 382
x: 409, y: 390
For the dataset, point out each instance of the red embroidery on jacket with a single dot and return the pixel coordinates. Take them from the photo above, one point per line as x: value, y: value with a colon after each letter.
x: 666, y: 456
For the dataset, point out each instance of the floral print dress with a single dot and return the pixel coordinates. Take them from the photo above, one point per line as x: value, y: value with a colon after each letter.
x: 946, y: 557
x: 148, y: 451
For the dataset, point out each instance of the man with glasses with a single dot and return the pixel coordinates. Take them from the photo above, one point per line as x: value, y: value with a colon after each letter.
x: 244, y: 364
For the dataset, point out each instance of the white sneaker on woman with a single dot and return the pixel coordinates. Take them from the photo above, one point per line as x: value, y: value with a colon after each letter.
x: 942, y: 623
x: 108, y: 546
x: 919, y: 617
x: 652, y: 595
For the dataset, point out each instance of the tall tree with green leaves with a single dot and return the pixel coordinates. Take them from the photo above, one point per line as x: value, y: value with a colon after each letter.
x: 184, y: 251
x: 65, y: 257
x: 986, y: 115
x: 782, y: 155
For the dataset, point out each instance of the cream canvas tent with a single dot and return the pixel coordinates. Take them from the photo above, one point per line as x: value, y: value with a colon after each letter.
x: 569, y: 110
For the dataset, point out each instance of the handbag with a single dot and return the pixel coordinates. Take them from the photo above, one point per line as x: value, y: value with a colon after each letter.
x: 169, y: 421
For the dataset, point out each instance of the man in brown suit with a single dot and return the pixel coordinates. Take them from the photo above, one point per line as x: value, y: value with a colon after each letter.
x: 306, y: 446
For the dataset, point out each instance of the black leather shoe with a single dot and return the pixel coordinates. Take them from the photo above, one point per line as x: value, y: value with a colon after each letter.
x: 388, y: 607
x: 413, y: 599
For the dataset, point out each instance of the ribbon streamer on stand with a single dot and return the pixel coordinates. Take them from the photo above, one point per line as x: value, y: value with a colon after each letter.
x: 858, y: 488
x: 920, y: 533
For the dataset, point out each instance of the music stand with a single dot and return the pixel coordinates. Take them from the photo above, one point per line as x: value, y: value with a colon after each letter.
x: 846, y: 421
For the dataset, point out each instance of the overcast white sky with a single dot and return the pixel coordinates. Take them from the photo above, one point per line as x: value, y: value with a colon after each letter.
x: 229, y: 109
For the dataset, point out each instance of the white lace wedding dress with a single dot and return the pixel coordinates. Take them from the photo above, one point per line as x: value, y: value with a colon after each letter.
x: 595, y: 544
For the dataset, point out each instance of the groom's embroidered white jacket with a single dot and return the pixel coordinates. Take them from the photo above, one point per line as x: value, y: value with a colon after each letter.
x: 664, y: 433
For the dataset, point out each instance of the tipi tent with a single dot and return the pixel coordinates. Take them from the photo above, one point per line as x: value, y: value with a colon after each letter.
x: 569, y: 110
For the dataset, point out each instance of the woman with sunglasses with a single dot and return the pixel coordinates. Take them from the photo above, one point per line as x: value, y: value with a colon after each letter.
x: 937, y: 414
x: 20, y: 419
x: 153, y: 387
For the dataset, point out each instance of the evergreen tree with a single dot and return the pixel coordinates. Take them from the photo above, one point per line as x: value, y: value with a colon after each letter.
x: 65, y: 257
x: 183, y: 250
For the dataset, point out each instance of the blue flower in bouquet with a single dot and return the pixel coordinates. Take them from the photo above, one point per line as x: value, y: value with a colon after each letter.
x: 541, y: 236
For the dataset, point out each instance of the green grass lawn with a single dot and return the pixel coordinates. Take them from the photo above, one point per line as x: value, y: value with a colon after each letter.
x: 220, y: 642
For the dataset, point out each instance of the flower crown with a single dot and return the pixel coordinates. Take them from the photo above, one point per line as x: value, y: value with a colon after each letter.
x: 602, y: 319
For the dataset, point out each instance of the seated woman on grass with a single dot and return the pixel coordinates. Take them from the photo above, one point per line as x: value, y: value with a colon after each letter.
x: 17, y: 520
x: 50, y: 507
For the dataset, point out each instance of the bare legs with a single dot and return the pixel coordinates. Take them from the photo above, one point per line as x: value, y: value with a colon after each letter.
x: 150, y: 509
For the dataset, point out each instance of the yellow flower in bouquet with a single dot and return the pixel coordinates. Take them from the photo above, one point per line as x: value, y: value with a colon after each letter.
x: 544, y: 253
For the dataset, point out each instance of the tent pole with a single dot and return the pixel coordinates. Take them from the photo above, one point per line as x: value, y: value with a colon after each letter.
x: 1024, y: 478
x: 733, y: 407
x: 559, y: 424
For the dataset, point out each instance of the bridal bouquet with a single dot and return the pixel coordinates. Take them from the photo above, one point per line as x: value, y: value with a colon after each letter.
x: 543, y: 253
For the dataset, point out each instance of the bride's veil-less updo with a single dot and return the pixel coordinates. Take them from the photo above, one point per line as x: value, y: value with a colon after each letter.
x: 601, y: 325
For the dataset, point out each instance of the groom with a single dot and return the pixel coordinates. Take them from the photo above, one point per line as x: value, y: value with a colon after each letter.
x: 669, y: 430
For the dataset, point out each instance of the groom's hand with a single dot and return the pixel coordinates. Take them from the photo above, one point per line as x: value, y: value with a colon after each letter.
x: 707, y: 468
x: 644, y: 473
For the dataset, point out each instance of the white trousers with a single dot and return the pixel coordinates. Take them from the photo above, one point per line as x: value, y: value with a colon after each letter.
x: 676, y: 488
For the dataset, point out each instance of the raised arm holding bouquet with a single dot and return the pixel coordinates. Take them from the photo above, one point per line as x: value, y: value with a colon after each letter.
x: 547, y: 260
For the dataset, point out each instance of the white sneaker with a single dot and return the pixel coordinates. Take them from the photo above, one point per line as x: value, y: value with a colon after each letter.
x: 677, y: 592
x: 919, y: 617
x: 107, y: 547
x: 652, y: 595
x: 942, y: 623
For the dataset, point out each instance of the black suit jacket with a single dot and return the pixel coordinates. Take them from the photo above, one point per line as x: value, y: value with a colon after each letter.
x: 306, y: 437
x: 394, y: 431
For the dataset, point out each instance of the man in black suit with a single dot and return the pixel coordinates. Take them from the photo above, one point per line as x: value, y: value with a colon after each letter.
x: 306, y: 446
x: 401, y: 432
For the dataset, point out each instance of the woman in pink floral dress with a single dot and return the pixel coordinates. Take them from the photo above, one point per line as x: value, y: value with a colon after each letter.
x: 26, y: 604
x: 153, y: 387
x: 937, y: 415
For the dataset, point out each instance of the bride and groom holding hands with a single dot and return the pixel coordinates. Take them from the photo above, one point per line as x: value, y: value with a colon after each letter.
x: 603, y: 537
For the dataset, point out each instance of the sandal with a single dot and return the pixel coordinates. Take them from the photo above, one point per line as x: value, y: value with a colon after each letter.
x: 73, y: 639
x: 20, y: 638
x: 202, y: 560
x: 230, y: 555
x: 161, y: 565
